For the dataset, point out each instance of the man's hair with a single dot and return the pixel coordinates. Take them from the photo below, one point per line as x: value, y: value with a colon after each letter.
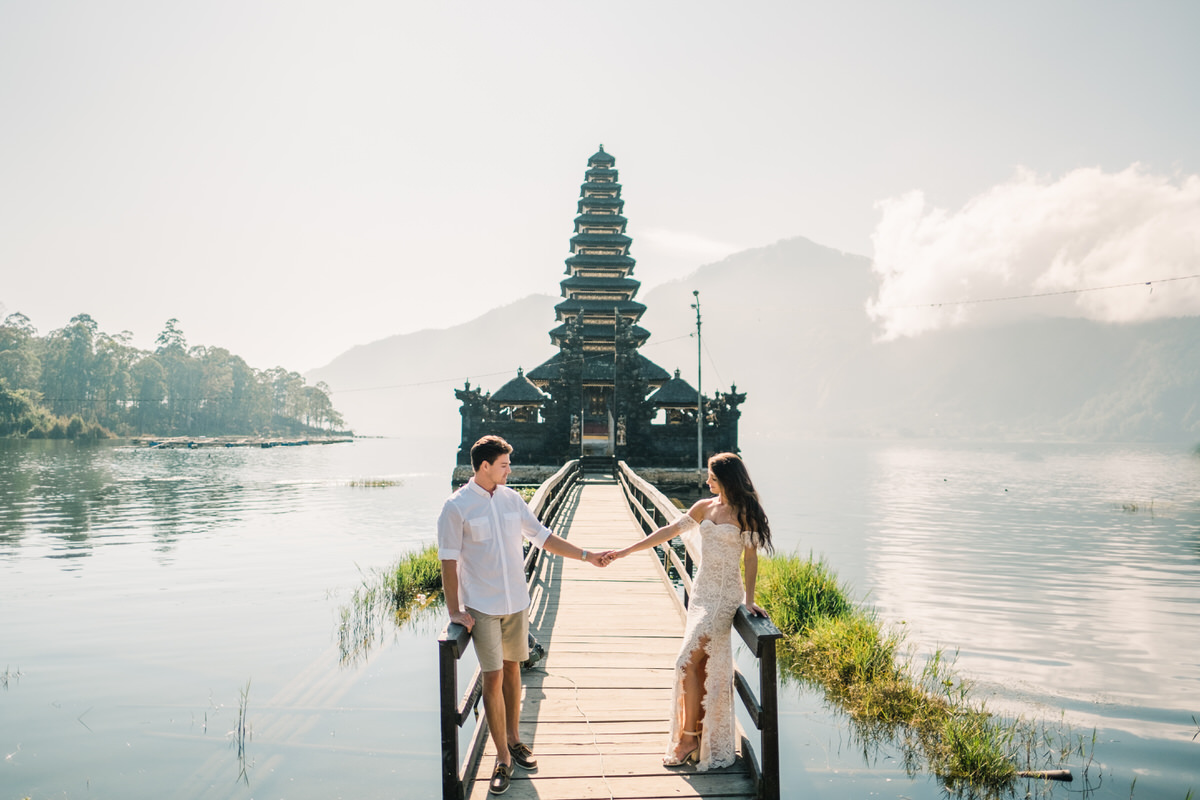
x: 488, y: 449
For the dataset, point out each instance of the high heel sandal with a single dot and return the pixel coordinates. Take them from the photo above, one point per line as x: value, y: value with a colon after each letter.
x: 690, y: 757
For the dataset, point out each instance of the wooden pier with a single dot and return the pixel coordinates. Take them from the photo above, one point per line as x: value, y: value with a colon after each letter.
x: 595, y: 709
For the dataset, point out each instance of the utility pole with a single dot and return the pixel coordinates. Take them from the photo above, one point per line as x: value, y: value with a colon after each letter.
x: 582, y: 366
x: 613, y: 414
x: 699, y: 390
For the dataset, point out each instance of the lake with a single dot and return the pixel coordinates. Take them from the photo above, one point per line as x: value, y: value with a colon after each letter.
x: 149, y: 598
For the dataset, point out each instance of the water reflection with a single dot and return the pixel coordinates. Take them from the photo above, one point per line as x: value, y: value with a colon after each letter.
x: 77, y: 494
x: 1059, y: 594
x: 1051, y: 759
x: 371, y: 618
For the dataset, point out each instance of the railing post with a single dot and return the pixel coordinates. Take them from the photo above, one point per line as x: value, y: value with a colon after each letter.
x: 452, y: 788
x: 691, y: 569
x: 769, y: 700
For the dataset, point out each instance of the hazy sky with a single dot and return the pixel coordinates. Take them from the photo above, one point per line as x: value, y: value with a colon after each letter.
x: 291, y: 179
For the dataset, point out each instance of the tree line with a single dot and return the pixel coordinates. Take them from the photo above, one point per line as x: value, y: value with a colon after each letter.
x: 79, y: 382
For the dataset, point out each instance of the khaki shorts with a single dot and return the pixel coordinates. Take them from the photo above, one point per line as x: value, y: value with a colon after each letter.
x: 500, y: 638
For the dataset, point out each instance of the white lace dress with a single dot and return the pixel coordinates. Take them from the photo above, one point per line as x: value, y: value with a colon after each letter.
x: 717, y: 591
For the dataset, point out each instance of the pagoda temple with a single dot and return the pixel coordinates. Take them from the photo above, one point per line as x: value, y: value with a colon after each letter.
x: 599, y: 396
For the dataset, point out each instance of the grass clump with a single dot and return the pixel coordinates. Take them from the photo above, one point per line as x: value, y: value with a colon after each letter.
x: 973, y: 748
x: 797, y: 593
x: 859, y: 663
x: 849, y: 650
x: 395, y: 594
x: 416, y: 575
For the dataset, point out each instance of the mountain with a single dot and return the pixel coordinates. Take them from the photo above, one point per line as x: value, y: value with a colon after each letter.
x: 404, y: 385
x: 786, y: 323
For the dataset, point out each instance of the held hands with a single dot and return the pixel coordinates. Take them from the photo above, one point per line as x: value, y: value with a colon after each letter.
x: 613, y: 555
x: 603, y: 558
x: 600, y: 559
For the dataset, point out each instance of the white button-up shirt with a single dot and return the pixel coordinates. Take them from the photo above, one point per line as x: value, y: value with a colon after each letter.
x: 482, y: 532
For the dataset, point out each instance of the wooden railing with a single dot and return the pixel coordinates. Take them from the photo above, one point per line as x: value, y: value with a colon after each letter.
x: 452, y: 644
x: 653, y: 510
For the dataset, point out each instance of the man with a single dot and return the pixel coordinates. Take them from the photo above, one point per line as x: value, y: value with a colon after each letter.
x: 479, y: 544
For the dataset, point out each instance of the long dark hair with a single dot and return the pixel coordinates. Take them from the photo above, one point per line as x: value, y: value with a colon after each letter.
x: 730, y: 471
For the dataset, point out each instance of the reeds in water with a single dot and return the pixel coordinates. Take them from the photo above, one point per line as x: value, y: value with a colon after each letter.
x: 415, y: 575
x: 394, y: 594
x: 1133, y: 507
x: 241, y: 733
x: 374, y: 483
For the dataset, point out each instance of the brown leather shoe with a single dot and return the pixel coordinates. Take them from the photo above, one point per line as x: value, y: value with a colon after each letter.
x: 522, y: 756
x: 500, y: 777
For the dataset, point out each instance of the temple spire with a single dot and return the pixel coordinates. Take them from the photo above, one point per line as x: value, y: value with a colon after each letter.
x: 600, y: 287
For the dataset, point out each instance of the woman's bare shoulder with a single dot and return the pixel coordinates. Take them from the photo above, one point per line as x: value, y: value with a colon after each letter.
x: 700, y: 509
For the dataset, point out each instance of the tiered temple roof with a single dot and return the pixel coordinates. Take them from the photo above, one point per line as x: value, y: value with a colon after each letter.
x: 599, y: 289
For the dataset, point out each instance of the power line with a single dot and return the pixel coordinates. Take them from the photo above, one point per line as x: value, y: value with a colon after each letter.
x: 712, y: 361
x: 417, y: 383
x: 593, y: 357
x: 1041, y: 294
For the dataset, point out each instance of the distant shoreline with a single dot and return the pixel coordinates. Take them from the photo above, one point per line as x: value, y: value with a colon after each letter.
x: 194, y: 442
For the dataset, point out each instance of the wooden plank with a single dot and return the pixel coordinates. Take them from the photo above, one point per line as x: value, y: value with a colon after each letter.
x: 600, y: 636
x: 580, y: 629
x: 590, y: 695
x: 614, y: 679
x: 552, y: 750
x: 602, y: 660
x: 525, y: 787
x: 654, y: 650
x: 546, y: 730
x: 575, y: 640
x: 548, y: 715
x: 581, y: 764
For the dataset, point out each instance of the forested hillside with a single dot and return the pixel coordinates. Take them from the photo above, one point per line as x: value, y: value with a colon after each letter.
x: 80, y: 382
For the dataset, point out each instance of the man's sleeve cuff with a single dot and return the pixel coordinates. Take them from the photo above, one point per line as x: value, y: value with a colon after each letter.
x: 447, y: 555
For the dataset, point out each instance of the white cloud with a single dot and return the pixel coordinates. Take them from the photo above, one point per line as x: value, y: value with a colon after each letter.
x: 1061, y: 239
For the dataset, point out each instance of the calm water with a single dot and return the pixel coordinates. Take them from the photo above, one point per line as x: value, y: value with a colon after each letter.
x: 143, y: 592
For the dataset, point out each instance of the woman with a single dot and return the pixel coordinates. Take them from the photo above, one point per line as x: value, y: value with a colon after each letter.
x: 722, y: 530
